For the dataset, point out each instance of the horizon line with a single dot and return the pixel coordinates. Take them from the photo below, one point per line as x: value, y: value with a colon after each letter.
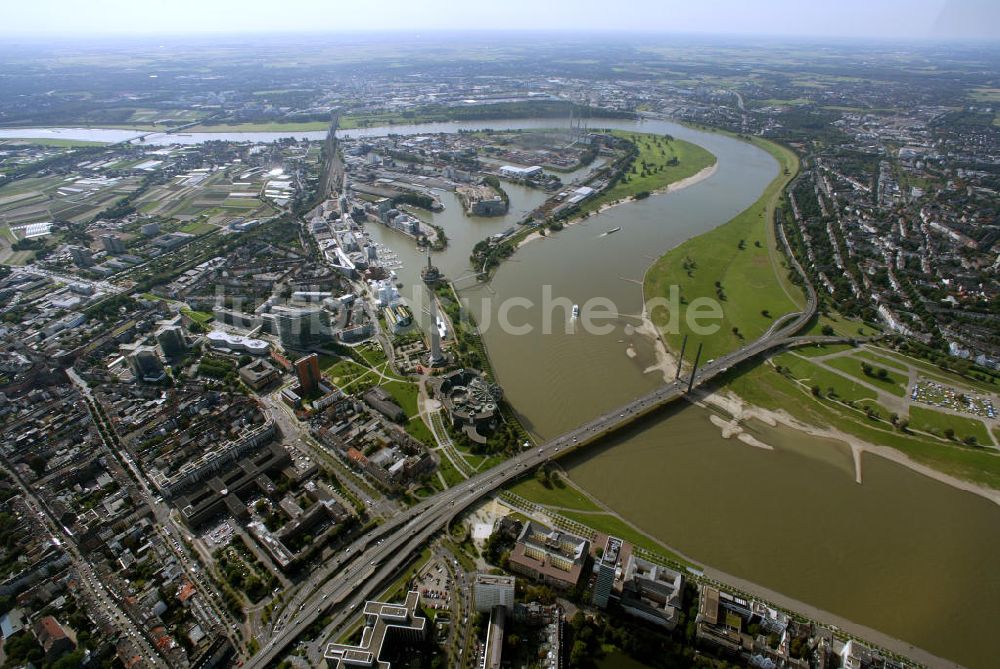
x: 418, y: 33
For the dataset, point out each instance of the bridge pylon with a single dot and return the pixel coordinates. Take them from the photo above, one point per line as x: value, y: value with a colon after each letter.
x: 697, y: 357
x: 680, y: 358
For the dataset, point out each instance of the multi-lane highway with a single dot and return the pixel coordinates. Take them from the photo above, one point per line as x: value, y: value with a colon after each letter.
x: 341, y: 585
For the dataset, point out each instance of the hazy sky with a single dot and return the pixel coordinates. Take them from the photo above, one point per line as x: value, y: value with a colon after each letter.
x: 840, y: 18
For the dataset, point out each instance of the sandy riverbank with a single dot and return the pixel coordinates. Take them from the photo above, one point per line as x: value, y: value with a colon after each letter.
x: 669, y: 188
x: 741, y: 412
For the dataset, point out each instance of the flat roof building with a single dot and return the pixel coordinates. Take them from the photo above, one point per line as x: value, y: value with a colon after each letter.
x: 388, y: 627
x: 652, y: 592
x: 259, y: 373
x: 554, y: 557
x: 489, y: 590
x: 513, y: 172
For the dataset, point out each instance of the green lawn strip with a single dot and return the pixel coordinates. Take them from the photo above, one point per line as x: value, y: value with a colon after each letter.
x: 816, y: 351
x: 609, y: 524
x: 405, y: 395
x: 202, y: 317
x: 937, y: 422
x: 343, y: 372
x: 52, y: 141
x: 754, y: 291
x: 892, y: 383
x: 472, y: 460
x: 559, y: 495
x: 468, y: 564
x: 932, y: 371
x: 842, y: 326
x: 652, y: 169
x: 614, y: 658
x: 306, y: 126
x: 373, y: 355
x: 20, y: 258
x: 419, y: 431
x: 881, y: 361
x: 763, y: 387
x: 195, y: 228
x: 813, y: 375
x: 451, y: 475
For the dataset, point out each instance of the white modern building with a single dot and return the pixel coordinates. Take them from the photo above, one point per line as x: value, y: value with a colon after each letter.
x: 233, y: 342
x: 520, y: 173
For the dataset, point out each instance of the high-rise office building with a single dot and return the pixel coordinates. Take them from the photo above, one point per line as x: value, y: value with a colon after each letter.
x: 307, y: 369
x: 171, y: 340
x: 606, y: 567
x: 300, y: 328
x: 145, y: 364
x: 489, y: 590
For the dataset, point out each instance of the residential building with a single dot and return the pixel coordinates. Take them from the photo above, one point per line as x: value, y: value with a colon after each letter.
x: 81, y: 256
x: 855, y: 655
x: 54, y: 639
x: 112, y: 244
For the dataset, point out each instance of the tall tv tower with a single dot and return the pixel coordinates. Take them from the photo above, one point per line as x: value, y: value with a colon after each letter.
x: 431, y: 276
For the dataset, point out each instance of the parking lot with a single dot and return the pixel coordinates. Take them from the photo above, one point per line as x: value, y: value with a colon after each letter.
x: 434, y: 585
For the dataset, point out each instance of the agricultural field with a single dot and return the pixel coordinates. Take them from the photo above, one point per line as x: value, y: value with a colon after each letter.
x: 985, y: 94
x: 207, y: 198
x: 76, y: 198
